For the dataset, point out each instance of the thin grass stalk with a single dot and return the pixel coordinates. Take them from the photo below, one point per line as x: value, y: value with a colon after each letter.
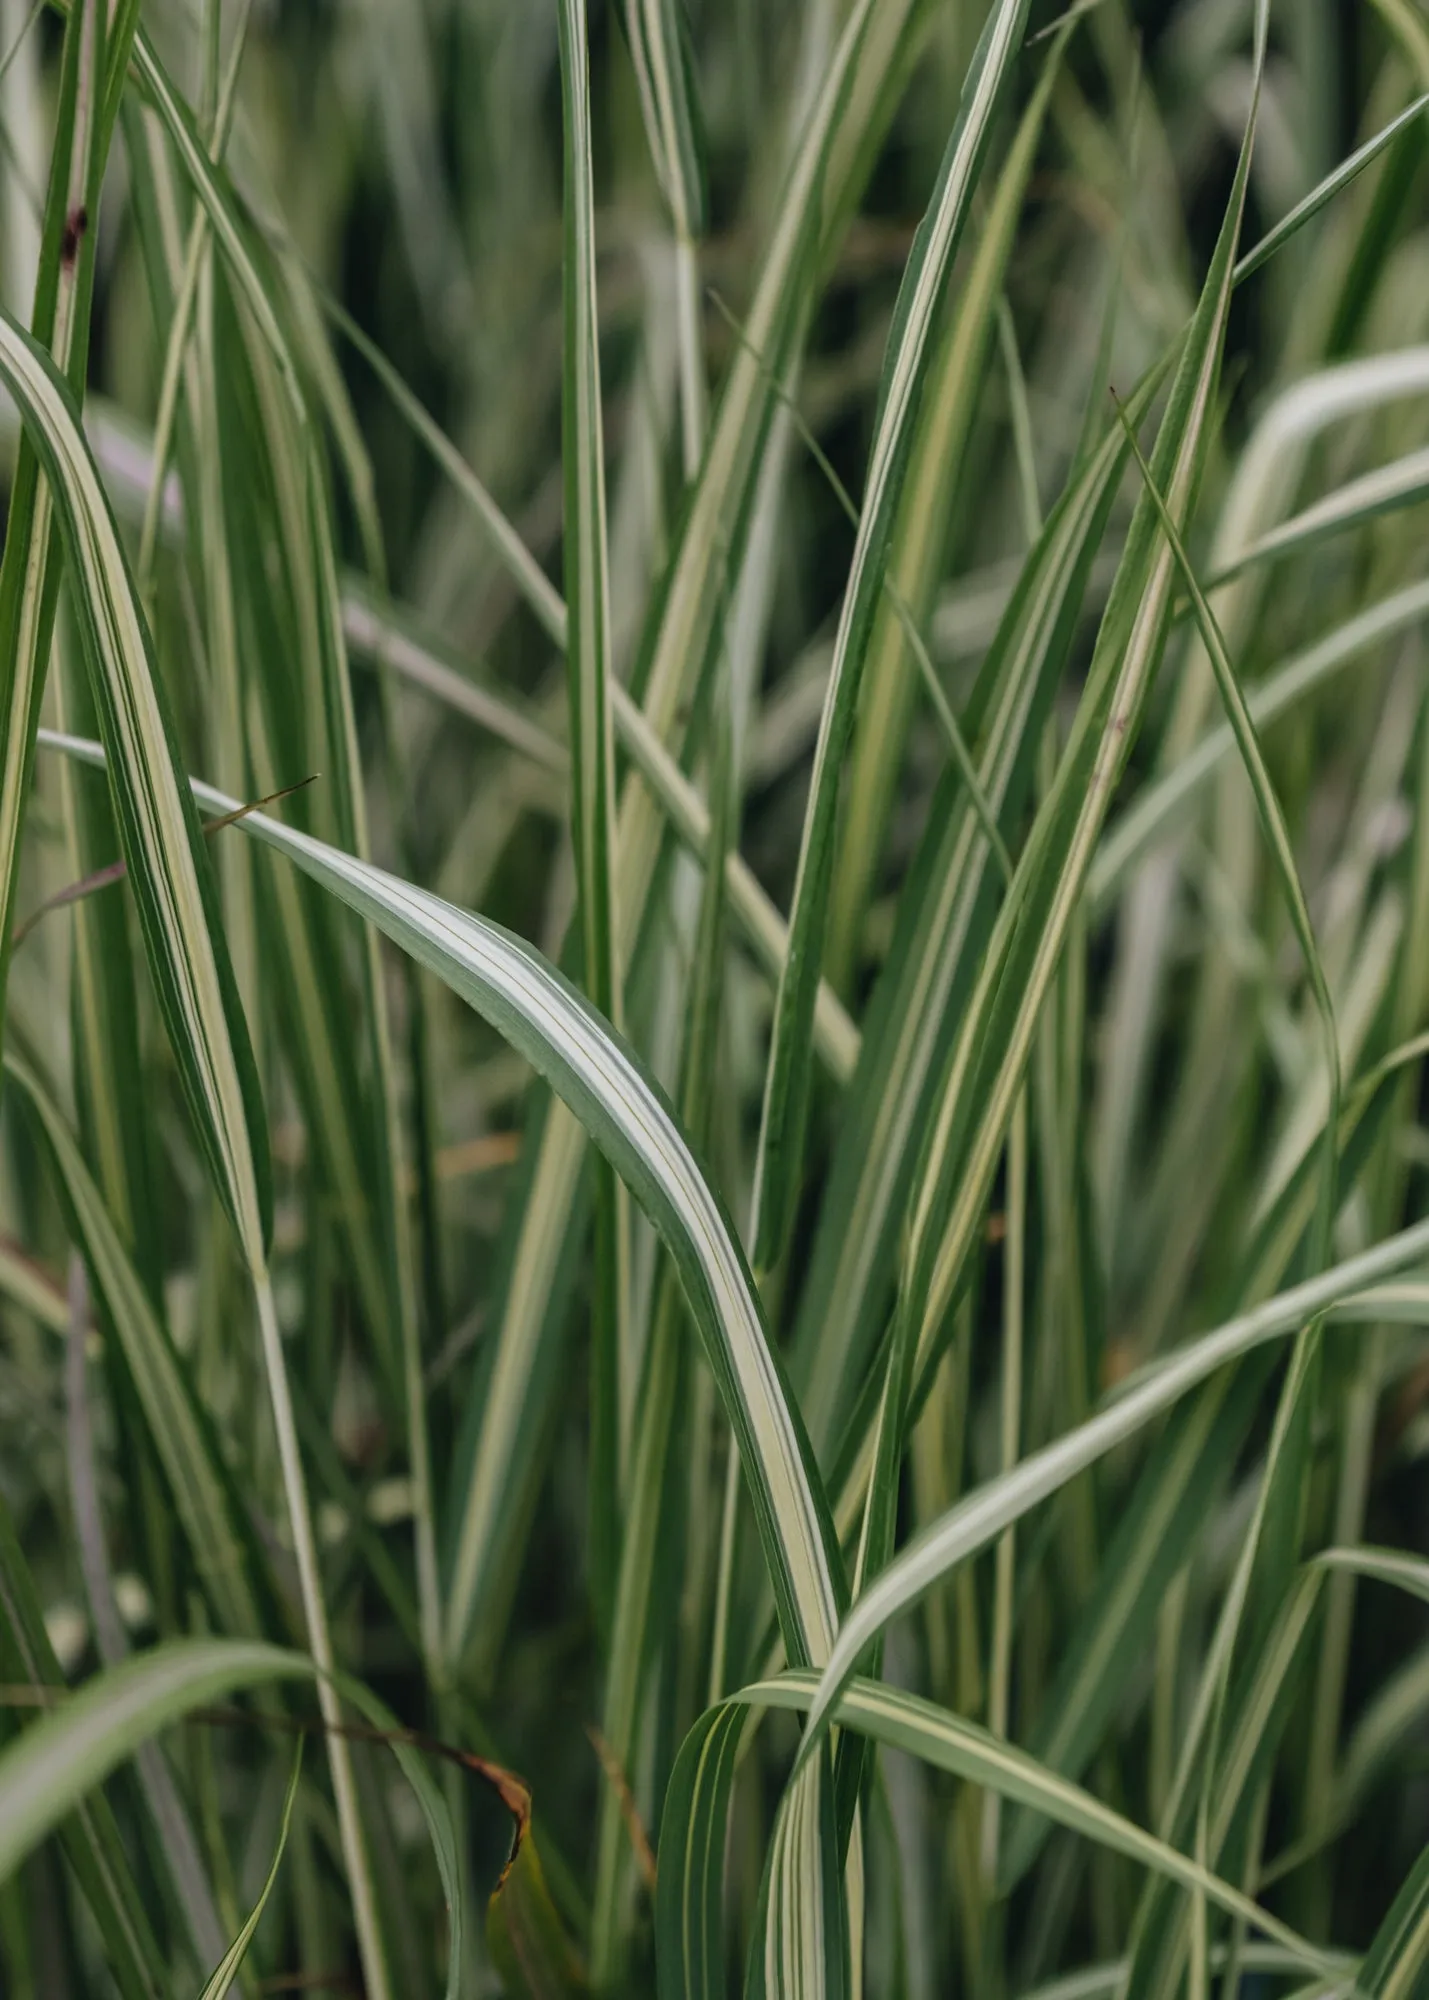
x: 614, y: 1363
x: 999, y: 1675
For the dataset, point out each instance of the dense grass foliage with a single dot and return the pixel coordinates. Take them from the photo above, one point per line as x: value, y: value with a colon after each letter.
x: 714, y: 962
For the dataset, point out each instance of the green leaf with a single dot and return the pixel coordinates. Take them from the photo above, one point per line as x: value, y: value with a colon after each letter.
x: 169, y: 874
x: 1394, y: 1965
x: 638, y: 1623
x: 1160, y: 807
x: 586, y: 554
x: 1159, y: 1522
x: 1399, y: 484
x: 985, y: 1070
x: 932, y: 487
x: 94, y: 55
x: 1326, y: 190
x: 658, y: 34
x: 384, y: 634
x: 910, y: 343
x: 226, y: 1971
x: 1277, y: 839
x: 946, y: 915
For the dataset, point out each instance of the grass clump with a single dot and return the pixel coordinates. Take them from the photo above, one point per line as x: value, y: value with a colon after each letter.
x: 714, y: 999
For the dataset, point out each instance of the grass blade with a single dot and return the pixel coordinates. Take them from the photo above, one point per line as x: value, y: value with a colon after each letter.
x: 158, y: 825
x: 62, y: 1757
x: 946, y: 917
x: 592, y: 740
x: 910, y: 341
x: 689, y: 1956
x: 931, y: 487
x: 1399, y: 484
x: 227, y: 1969
x: 494, y: 1476
x: 986, y: 1067
x: 91, y: 1837
x: 608, y: 1089
x: 982, y: 1516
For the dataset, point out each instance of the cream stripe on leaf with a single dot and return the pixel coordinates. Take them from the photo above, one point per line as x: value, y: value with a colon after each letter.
x: 669, y: 105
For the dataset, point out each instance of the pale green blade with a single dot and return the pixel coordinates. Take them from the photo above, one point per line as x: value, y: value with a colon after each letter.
x: 605, y: 1085
x: 1393, y: 1566
x: 932, y: 485
x: 947, y: 914
x: 987, y: 1064
x: 640, y: 1619
x: 381, y: 632
x: 658, y: 33
x: 1394, y: 1965
x: 1399, y: 484
x: 1326, y: 190
x: 586, y: 539
x: 1159, y: 808
x: 93, y: 62
x: 168, y: 870
x: 1277, y: 839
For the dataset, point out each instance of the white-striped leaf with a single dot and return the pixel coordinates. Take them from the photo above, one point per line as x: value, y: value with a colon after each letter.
x: 670, y: 107
x: 688, y: 1918
x: 982, y: 1516
x: 988, y: 1062
x: 1399, y: 484
x: 1159, y: 808
x: 607, y: 1087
